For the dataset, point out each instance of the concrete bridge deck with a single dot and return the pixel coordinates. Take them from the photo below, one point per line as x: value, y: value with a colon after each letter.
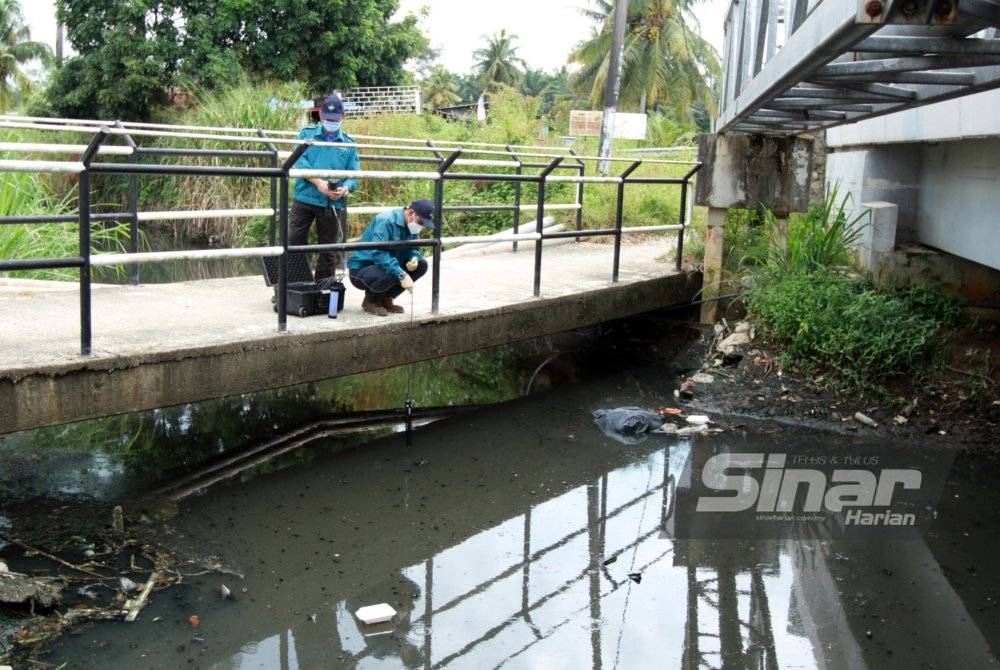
x: 157, y: 345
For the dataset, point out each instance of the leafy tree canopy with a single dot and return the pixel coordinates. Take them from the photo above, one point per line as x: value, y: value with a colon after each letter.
x: 666, y: 64
x: 131, y: 52
x: 16, y: 49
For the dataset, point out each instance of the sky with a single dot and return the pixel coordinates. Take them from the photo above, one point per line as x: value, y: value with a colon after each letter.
x: 546, y: 30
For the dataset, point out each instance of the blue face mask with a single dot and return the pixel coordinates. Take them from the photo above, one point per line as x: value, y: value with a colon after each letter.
x: 332, y: 127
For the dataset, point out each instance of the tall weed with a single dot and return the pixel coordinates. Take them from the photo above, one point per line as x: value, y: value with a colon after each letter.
x: 821, y: 239
x: 24, y: 194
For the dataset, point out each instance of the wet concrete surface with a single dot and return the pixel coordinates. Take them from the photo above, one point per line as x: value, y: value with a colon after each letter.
x: 522, y: 537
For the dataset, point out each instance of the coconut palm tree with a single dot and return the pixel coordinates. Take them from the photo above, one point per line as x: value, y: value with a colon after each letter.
x: 440, y: 89
x: 16, y: 49
x: 498, y: 62
x: 665, y: 64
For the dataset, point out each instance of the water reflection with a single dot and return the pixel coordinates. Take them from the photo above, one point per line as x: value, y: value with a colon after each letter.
x: 118, y: 456
x: 588, y: 578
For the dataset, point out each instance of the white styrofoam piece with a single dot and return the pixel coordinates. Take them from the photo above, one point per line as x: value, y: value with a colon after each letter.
x: 375, y: 613
x: 698, y: 419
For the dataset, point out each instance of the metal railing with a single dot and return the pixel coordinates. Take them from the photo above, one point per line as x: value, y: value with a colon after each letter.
x: 444, y: 156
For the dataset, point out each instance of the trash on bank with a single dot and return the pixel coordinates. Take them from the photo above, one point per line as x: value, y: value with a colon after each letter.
x: 865, y: 420
x: 18, y: 589
x: 698, y: 419
x: 372, y: 614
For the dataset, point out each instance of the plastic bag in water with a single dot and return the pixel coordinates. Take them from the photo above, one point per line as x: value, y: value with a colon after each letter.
x: 628, y: 425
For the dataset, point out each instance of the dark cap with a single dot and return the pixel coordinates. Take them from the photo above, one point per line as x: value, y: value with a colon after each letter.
x: 425, y: 210
x: 332, y: 108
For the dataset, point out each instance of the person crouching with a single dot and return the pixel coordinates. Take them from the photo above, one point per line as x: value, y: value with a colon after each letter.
x: 383, y: 274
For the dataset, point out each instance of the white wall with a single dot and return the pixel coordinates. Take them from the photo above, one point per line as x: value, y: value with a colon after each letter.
x: 958, y: 208
x: 947, y: 185
x: 975, y: 115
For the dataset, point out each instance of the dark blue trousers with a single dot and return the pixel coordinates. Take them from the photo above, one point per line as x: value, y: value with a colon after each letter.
x: 377, y: 283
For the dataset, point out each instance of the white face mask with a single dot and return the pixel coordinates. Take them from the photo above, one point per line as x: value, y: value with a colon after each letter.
x: 414, y: 227
x: 332, y: 127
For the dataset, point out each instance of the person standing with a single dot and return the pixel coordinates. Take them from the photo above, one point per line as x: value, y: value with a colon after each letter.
x: 385, y: 273
x: 317, y: 198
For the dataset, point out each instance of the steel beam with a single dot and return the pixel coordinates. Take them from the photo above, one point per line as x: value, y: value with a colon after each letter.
x: 789, y: 114
x: 926, y: 78
x: 908, y: 64
x: 929, y: 45
x: 820, y: 104
x: 882, y: 90
x: 821, y: 78
x: 802, y: 93
x: 829, y: 30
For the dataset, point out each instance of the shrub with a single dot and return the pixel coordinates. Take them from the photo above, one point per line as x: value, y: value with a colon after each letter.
x: 865, y: 337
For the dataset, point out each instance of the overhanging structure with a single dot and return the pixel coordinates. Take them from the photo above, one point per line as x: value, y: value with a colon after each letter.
x: 800, y: 65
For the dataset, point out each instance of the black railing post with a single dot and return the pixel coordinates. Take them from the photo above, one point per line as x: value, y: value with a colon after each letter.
x: 619, y: 210
x: 133, y: 205
x: 517, y: 194
x: 86, y: 327
x: 272, y: 232
x: 582, y: 169
x: 282, y: 297
x: 437, y: 154
x: 539, y: 224
x: 682, y: 215
x: 438, y: 205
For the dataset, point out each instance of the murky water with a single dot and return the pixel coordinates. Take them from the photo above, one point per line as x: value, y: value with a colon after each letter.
x: 520, y: 536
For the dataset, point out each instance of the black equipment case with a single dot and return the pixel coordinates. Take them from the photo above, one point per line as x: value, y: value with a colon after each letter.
x: 305, y: 297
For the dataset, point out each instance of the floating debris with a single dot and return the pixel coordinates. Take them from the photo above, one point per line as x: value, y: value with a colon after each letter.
x: 224, y: 591
x: 375, y: 613
x: 628, y: 425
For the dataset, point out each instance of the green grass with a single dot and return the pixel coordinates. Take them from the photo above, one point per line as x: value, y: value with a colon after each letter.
x: 23, y: 194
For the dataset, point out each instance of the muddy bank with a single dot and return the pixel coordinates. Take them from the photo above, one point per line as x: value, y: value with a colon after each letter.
x: 956, y: 406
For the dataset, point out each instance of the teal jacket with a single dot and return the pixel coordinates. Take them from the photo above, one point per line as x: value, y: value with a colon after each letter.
x: 325, y: 158
x: 385, y: 227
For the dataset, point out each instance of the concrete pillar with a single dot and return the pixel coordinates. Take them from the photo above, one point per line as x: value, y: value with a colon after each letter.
x: 782, y: 220
x: 712, y: 274
x: 747, y: 171
x: 878, y: 237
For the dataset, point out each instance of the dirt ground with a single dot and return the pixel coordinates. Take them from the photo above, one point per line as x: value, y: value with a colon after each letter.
x: 957, y: 404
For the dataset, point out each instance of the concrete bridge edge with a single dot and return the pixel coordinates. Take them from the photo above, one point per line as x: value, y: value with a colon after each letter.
x: 92, y: 388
